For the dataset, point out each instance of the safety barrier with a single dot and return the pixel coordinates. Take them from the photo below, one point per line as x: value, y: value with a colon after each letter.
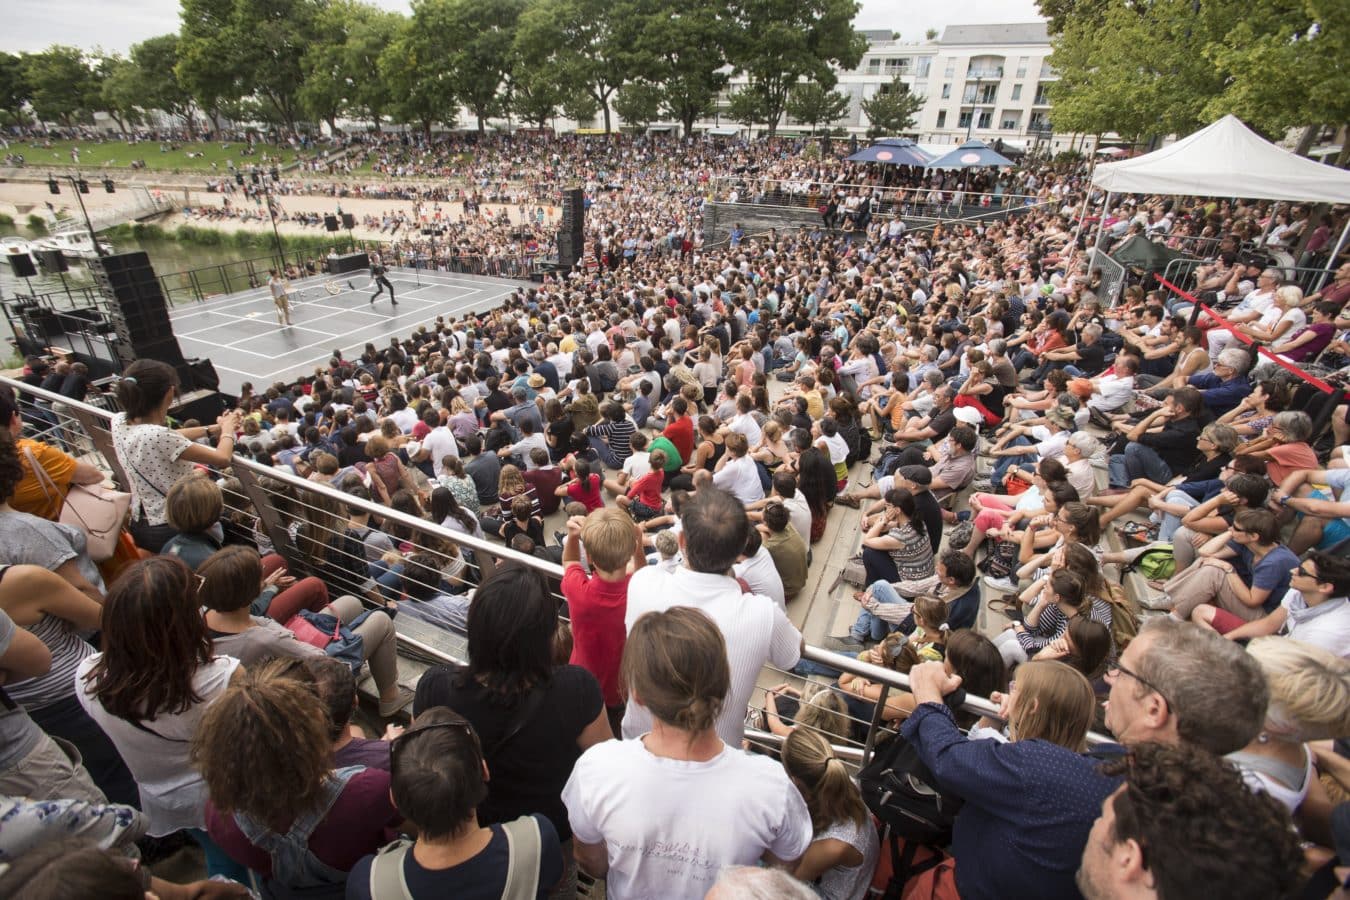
x: 289, y: 515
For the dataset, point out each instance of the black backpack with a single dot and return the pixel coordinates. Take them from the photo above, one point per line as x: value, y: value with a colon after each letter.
x: 902, y: 793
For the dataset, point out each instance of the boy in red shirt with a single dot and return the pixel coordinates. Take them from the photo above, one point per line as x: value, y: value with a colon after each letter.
x: 643, y: 500
x: 597, y: 604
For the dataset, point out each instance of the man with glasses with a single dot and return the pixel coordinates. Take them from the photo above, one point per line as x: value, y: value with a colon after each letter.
x: 1223, y: 387
x: 1177, y: 683
x: 1156, y: 836
x: 1315, y: 608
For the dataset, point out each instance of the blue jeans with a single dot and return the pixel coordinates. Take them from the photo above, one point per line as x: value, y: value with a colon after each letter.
x: 1171, y: 523
x: 1007, y: 462
x: 603, y: 451
x: 1074, y: 372
x: 872, y: 627
x: 878, y: 566
x: 1138, y: 461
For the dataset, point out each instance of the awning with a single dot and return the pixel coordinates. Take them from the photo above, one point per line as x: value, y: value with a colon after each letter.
x: 723, y: 131
x: 892, y: 152
x: 972, y: 155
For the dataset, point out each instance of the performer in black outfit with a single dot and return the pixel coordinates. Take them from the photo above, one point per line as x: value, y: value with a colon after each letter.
x: 377, y: 271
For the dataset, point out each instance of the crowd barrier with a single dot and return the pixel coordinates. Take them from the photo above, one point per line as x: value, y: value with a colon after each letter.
x: 279, y: 503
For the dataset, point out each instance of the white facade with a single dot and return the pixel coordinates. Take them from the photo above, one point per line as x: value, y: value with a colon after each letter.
x: 979, y: 81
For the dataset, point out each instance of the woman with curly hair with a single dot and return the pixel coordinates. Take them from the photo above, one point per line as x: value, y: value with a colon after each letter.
x: 277, y: 806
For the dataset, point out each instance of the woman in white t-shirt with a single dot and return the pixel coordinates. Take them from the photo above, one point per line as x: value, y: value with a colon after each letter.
x: 843, y: 853
x: 660, y: 816
x: 155, y: 456
x: 152, y: 625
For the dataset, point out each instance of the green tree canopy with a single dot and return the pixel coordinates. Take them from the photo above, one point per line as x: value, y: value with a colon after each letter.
x: 120, y: 91
x: 638, y: 103
x: 14, y: 85
x: 892, y: 112
x: 782, y: 42
x: 684, y: 52
x: 813, y: 105
x: 584, y: 45
x: 63, y: 86
x: 422, y: 92
x: 156, y: 61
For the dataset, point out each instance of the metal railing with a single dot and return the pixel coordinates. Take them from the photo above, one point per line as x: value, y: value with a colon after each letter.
x: 292, y: 516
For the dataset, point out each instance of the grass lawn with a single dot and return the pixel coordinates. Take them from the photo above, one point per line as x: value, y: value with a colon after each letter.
x: 119, y: 154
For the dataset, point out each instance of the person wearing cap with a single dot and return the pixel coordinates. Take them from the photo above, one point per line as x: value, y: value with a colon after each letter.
x: 918, y: 480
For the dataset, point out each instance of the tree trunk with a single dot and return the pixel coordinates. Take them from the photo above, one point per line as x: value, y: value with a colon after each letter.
x: 604, y: 105
x: 1305, y: 140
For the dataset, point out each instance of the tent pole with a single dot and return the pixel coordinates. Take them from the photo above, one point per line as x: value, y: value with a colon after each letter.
x: 1331, y: 260
x: 1087, y: 195
x: 1101, y: 221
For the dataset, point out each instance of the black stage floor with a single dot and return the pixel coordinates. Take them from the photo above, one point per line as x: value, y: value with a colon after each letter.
x: 240, y: 335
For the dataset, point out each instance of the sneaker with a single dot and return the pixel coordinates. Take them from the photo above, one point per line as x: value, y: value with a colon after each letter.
x: 393, y: 302
x: 848, y: 499
x: 982, y: 485
x: 844, y: 644
x: 1003, y: 585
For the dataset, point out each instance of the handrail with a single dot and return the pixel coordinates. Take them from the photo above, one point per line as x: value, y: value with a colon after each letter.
x: 88, y: 414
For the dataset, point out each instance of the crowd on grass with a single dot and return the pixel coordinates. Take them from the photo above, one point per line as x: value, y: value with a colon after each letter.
x: 1103, y: 518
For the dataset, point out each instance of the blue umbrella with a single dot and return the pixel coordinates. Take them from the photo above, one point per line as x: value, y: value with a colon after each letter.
x: 971, y: 155
x: 892, y: 152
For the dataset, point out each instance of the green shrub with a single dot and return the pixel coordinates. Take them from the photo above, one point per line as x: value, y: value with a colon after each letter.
x: 37, y: 224
x: 6, y: 221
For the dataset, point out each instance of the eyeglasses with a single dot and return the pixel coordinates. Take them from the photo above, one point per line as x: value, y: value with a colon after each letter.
x: 201, y: 581
x: 1302, y: 570
x: 456, y: 722
x: 1115, y: 670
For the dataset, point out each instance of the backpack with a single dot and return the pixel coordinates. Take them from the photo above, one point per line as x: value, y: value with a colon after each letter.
x: 1157, y: 564
x: 864, y: 452
x: 524, y: 849
x: 1124, y: 617
x: 1001, y: 560
x: 908, y: 871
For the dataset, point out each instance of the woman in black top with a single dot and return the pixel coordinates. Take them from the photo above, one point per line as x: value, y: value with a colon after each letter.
x: 535, y: 719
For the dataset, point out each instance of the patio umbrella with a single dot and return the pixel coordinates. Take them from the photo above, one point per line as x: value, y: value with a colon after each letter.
x: 971, y: 155
x: 893, y: 152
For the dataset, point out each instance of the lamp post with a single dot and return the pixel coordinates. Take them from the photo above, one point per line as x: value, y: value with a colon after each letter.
x: 265, y: 180
x: 80, y: 185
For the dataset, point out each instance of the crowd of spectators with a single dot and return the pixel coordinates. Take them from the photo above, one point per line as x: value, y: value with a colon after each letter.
x: 676, y: 434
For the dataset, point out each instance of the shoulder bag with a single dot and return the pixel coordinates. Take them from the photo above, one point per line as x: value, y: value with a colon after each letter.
x: 99, y: 511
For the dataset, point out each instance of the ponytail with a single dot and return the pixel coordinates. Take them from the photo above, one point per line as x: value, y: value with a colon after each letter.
x: 829, y: 791
x: 143, y: 386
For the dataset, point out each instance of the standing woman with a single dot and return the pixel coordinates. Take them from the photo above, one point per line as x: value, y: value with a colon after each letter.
x: 535, y: 718
x: 843, y: 851
x: 627, y: 801
x: 149, y: 688
x: 154, y: 456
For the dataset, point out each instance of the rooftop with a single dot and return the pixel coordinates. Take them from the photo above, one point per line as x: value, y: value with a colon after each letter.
x: 985, y: 35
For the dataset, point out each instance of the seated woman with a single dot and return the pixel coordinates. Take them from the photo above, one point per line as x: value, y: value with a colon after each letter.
x: 288, y: 816
x: 1309, y: 701
x: 1257, y: 410
x: 1036, y: 796
x: 1284, y: 445
x: 1216, y: 443
x: 995, y: 516
x: 619, y: 797
x: 1085, y: 645
x: 981, y: 392
x: 844, y: 846
x: 1062, y: 597
x: 510, y: 485
x: 229, y: 580
x: 1242, y: 574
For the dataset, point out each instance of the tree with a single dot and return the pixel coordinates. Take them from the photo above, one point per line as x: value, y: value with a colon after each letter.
x: 157, y: 84
x: 369, y: 34
x: 893, y: 111
x: 120, y: 92
x: 811, y: 104
x: 638, y: 103
x: 782, y: 42
x: 64, y: 88
x: 14, y: 86
x: 746, y: 107
x: 931, y: 34
x: 422, y: 92
x: 684, y: 55
x: 481, y: 51
x: 587, y: 44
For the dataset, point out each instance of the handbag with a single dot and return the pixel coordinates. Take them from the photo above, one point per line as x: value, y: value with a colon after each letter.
x: 1001, y: 559
x: 98, y: 511
x: 331, y: 635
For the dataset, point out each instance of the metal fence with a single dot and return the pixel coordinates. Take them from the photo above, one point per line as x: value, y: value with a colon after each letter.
x: 291, y: 516
x: 925, y: 202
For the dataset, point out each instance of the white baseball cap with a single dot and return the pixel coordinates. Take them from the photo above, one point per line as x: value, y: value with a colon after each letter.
x: 968, y: 415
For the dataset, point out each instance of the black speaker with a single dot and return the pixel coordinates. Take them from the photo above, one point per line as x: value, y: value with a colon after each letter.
x: 348, y: 221
x: 350, y: 262
x: 330, y: 222
x: 573, y: 209
x: 570, y: 249
x: 53, y: 261
x: 140, y: 313
x: 22, y: 265
x: 204, y: 375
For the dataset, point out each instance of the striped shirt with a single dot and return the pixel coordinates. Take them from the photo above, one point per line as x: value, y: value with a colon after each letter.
x: 68, y: 651
x: 620, y: 435
x: 1053, y: 623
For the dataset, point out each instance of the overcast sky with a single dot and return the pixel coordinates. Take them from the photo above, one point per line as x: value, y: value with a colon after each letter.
x: 114, y: 25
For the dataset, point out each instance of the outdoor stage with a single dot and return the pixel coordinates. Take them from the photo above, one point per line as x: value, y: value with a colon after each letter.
x: 240, y: 335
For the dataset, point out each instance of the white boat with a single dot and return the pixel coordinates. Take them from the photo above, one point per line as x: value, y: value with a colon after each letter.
x: 16, y: 246
x: 73, y: 244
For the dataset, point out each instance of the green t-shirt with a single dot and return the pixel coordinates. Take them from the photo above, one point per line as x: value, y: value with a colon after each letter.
x: 662, y: 443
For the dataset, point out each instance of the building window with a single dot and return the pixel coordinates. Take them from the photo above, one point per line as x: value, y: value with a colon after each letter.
x: 921, y: 66
x: 947, y: 91
x: 874, y: 66
x: 951, y: 68
x: 1038, y: 122
x: 968, y: 95
x: 942, y: 118
x: 1022, y: 67
x: 963, y: 121
x: 1017, y: 92
x: 986, y: 119
x: 988, y: 93
x: 1011, y: 120
x: 1047, y: 70
x: 1042, y: 96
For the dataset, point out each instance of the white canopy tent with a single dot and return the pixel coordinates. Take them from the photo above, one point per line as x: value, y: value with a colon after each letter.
x: 1226, y: 159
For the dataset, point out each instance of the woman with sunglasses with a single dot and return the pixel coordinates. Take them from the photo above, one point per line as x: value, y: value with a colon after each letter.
x: 152, y: 624
x: 1242, y: 575
x: 439, y: 779
x: 277, y: 806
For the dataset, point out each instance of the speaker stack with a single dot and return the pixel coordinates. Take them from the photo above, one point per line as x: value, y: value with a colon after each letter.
x: 330, y: 223
x: 348, y: 221
x: 140, y: 313
x: 571, y: 236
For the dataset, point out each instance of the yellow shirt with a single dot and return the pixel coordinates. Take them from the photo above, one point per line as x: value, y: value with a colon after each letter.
x: 29, y: 494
